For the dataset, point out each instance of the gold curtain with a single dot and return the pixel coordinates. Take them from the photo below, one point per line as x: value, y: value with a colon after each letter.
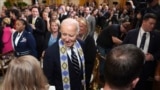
x: 58, y: 2
x: 122, y: 3
x: 82, y: 2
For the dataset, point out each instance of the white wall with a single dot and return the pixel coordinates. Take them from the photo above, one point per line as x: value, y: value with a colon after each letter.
x: 1, y: 4
x: 29, y: 2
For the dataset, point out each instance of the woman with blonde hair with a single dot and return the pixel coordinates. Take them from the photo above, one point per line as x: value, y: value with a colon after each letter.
x: 90, y: 51
x: 84, y: 28
x: 53, y: 35
x: 6, y: 36
x: 54, y: 16
x: 25, y: 73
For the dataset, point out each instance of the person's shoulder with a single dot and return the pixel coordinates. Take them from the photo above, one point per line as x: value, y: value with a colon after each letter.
x: 113, y: 27
x: 157, y: 33
x: 89, y: 38
x: 7, y: 28
x: 27, y: 33
x: 133, y: 30
x: 80, y: 41
x: 39, y: 18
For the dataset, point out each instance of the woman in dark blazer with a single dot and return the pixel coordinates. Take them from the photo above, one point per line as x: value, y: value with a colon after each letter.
x: 53, y: 35
x: 90, y: 48
x: 23, y: 41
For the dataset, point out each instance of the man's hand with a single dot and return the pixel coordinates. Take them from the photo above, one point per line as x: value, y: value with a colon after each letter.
x: 33, y: 26
x: 149, y: 57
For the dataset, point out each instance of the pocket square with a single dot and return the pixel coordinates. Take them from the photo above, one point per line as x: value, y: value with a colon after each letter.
x: 23, y: 39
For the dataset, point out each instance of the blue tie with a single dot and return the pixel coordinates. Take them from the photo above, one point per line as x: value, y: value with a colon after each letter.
x: 75, y: 61
x: 143, y: 41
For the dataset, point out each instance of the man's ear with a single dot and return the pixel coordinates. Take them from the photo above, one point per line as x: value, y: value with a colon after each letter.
x: 134, y: 82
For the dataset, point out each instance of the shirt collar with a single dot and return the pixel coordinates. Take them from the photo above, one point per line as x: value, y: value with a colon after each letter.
x: 142, y: 30
x: 20, y: 33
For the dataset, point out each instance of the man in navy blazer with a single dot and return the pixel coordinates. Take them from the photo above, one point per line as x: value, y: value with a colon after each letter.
x: 151, y: 48
x: 59, y: 55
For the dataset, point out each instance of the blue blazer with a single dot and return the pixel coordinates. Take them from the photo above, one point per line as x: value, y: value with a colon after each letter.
x: 52, y: 69
x: 26, y: 44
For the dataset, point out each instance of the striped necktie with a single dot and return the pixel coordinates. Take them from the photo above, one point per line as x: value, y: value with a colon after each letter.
x: 75, y: 61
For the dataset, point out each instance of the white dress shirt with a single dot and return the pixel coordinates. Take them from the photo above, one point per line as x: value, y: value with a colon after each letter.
x: 17, y: 38
x: 146, y: 45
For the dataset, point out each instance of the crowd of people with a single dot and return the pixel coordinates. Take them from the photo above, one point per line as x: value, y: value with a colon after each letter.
x: 64, y: 37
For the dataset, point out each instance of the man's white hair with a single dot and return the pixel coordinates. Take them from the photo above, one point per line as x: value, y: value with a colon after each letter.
x: 71, y: 21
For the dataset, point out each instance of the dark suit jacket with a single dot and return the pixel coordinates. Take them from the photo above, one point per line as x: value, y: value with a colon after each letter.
x: 38, y: 33
x: 90, y: 55
x: 52, y: 69
x: 154, y: 49
x: 39, y: 24
x: 26, y: 44
x: 154, y: 45
x: 61, y: 18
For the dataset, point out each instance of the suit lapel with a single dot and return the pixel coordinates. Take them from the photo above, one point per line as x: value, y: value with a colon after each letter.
x: 14, y: 38
x: 36, y: 20
x: 21, y: 38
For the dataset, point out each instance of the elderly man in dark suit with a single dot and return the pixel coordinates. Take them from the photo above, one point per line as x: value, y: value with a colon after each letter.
x: 146, y: 38
x: 63, y: 62
x: 38, y: 26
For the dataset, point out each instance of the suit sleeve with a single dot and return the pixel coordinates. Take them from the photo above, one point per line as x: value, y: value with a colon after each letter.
x: 156, y: 54
x: 126, y: 39
x: 48, y: 66
x: 32, y: 44
x: 90, y: 55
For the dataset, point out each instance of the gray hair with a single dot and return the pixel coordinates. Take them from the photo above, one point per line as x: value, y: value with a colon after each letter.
x: 71, y: 21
